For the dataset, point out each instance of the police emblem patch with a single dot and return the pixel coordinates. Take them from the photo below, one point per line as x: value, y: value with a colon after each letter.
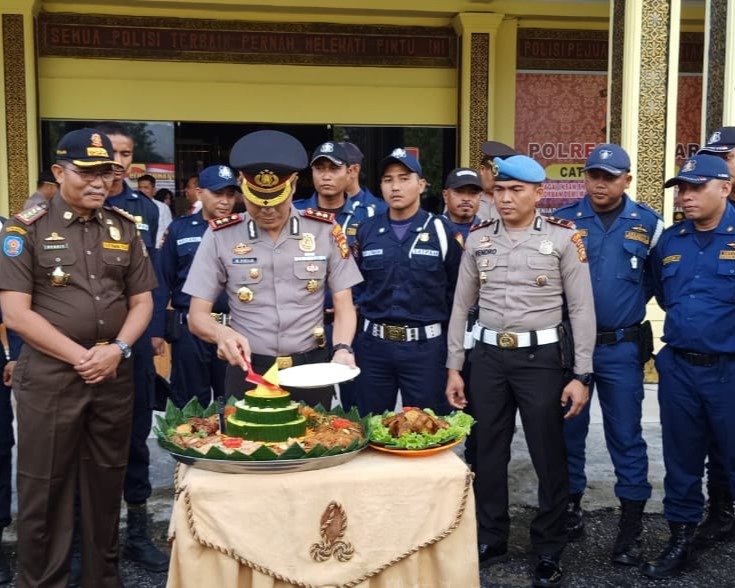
x: 327, y: 148
x: 224, y: 172
x: 689, y: 166
x: 12, y: 246
x: 715, y: 138
x: 399, y: 153
x: 605, y: 154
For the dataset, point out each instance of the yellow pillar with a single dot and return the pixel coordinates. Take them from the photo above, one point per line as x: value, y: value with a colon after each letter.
x: 643, y: 109
x: 486, y: 90
x: 718, y: 97
x: 18, y: 104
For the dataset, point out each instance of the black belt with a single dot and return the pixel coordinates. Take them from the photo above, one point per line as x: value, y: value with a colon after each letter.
x: 287, y: 361
x: 702, y: 359
x: 612, y: 337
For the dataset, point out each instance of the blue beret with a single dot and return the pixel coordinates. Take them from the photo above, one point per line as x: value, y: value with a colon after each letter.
x: 521, y: 168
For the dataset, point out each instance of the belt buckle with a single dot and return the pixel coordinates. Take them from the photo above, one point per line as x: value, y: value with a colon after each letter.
x: 284, y: 361
x: 394, y: 333
x: 507, y: 340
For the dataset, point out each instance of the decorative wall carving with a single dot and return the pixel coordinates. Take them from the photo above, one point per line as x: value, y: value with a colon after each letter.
x: 715, y: 91
x: 479, y: 91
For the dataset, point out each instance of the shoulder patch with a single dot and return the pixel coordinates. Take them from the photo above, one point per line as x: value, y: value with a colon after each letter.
x: 225, y: 221
x: 320, y: 215
x: 124, y: 213
x: 562, y: 222
x: 30, y: 216
x: 481, y: 225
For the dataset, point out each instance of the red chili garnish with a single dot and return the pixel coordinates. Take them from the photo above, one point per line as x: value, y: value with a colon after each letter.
x: 229, y: 411
x: 410, y: 408
x: 232, y: 442
x: 340, y: 423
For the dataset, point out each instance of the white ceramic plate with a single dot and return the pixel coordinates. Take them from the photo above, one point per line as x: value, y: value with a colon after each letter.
x: 316, y: 375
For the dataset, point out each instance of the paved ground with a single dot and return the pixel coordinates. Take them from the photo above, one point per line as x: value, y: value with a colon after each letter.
x: 586, y: 563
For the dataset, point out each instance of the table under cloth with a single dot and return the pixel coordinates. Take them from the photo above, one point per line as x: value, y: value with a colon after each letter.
x: 377, y: 521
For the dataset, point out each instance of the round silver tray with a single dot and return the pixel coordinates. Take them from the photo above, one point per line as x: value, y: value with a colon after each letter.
x: 224, y: 466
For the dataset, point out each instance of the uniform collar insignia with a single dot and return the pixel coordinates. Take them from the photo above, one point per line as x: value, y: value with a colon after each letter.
x: 252, y: 229
x: 537, y: 224
x: 295, y: 226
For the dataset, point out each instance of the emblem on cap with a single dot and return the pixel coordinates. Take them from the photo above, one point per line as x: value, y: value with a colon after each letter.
x: 245, y: 294
x: 266, y: 179
x: 689, y: 166
x: 326, y: 148
x: 96, y: 140
x: 224, y: 172
x: 715, y: 138
x: 399, y: 153
x: 605, y: 154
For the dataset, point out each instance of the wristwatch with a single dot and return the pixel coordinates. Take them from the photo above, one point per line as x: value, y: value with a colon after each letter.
x: 344, y: 346
x: 585, y: 378
x: 125, y: 349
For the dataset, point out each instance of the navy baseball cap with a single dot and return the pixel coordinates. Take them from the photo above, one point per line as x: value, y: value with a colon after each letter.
x: 463, y: 176
x: 86, y: 148
x: 268, y: 160
x: 493, y: 149
x: 400, y: 155
x: 521, y: 168
x: 334, y: 152
x: 720, y: 142
x: 354, y: 154
x: 700, y: 169
x: 217, y: 177
x: 610, y: 158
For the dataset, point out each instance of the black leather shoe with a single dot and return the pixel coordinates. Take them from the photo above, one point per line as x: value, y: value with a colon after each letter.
x: 678, y: 554
x: 548, y: 571
x: 6, y: 576
x: 720, y: 522
x: 491, y: 554
x: 574, y: 524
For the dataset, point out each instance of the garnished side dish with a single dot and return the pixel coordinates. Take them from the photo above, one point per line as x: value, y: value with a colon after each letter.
x: 416, y: 428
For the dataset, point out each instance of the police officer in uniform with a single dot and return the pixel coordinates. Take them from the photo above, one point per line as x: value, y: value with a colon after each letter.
x: 491, y: 150
x: 719, y: 524
x: 694, y: 277
x: 196, y: 371
x: 76, y: 288
x: 523, y: 267
x: 275, y: 263
x: 618, y: 235
x: 332, y: 174
x: 409, y: 258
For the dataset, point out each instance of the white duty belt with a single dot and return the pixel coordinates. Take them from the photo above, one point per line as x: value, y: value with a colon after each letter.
x: 511, y: 340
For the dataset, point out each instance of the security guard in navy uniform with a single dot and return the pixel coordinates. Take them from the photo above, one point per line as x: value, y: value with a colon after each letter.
x: 618, y: 235
x: 355, y: 190
x: 409, y: 258
x: 332, y: 174
x: 694, y: 280
x: 523, y: 267
x: 196, y: 371
x: 138, y: 546
x: 275, y: 264
x: 719, y: 524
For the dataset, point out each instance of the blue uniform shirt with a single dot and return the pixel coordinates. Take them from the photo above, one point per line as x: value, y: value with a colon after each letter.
x: 618, y: 259
x: 464, y: 228
x: 695, y: 285
x: 367, y: 198
x: 173, y: 261
x: 410, y: 281
x: 145, y: 211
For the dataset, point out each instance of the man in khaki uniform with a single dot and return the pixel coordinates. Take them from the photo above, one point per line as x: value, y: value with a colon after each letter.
x: 522, y: 267
x: 76, y: 287
x: 274, y: 262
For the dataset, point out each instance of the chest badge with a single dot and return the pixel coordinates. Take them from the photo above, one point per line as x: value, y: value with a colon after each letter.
x: 241, y: 249
x: 424, y: 237
x: 68, y: 215
x: 245, y: 295
x: 114, y: 233
x: 546, y: 247
x: 55, y: 237
x: 307, y: 244
x: 254, y: 273
x: 485, y: 263
x: 312, y: 267
x: 59, y: 277
x: 485, y: 241
x: 312, y: 286
x: 542, y: 280
x: 483, y: 277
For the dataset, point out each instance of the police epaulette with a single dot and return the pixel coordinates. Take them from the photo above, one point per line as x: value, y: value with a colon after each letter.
x: 225, y: 221
x: 325, y: 217
x: 481, y: 225
x: 30, y: 216
x: 562, y: 222
x: 123, y: 213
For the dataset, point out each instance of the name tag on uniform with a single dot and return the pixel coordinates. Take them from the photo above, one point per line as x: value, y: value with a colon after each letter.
x: 637, y: 237
x: 141, y: 226
x: 115, y: 246
x: 244, y: 260
x: 372, y: 252
x: 479, y: 252
x: 429, y: 252
x: 55, y: 246
x: 188, y: 240
x: 727, y: 254
x: 311, y: 258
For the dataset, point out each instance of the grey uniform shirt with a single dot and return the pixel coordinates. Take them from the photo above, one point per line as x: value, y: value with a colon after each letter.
x: 286, y: 279
x: 521, y: 286
x: 487, y: 208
